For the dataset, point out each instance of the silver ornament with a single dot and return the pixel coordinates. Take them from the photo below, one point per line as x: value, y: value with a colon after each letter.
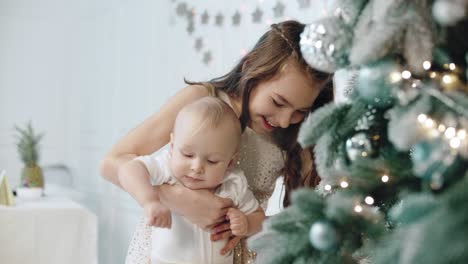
x: 348, y: 10
x: 360, y: 145
x: 325, y: 44
x: 449, y: 13
x: 323, y: 235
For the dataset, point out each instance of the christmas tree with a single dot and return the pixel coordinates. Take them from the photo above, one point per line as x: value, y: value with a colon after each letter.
x: 393, y: 158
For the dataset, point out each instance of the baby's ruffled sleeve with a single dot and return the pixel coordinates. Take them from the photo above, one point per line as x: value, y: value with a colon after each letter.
x: 235, y: 187
x: 158, y: 167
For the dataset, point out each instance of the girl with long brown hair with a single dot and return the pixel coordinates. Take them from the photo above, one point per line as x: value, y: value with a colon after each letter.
x: 272, y: 90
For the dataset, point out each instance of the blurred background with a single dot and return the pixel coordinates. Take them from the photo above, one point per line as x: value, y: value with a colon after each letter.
x: 85, y: 72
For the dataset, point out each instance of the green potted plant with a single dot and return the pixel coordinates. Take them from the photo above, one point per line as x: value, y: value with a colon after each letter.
x: 28, y: 150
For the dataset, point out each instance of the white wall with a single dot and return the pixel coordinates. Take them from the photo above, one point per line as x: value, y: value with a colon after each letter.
x: 85, y: 72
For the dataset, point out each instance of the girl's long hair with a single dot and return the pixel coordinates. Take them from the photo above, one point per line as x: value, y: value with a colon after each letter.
x: 265, y: 60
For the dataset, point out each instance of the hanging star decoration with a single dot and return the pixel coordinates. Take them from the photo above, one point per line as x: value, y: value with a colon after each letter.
x: 198, y: 44
x: 190, y: 15
x: 205, y: 18
x: 207, y: 57
x: 257, y: 15
x: 304, y: 3
x: 181, y: 9
x: 236, y: 18
x: 219, y: 19
x: 190, y: 27
x: 278, y: 9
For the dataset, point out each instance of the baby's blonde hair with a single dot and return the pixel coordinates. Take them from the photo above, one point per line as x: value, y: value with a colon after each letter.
x: 212, y: 112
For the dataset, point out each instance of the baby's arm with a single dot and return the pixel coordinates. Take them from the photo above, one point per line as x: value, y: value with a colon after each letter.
x: 135, y: 180
x: 245, y: 225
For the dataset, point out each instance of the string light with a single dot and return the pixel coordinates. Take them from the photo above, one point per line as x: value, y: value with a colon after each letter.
x: 395, y: 77
x: 433, y: 74
x: 461, y: 134
x: 441, y: 128
x: 422, y: 118
x: 328, y: 187
x: 344, y: 184
x: 452, y: 66
x: 385, y: 178
x: 450, y: 132
x: 455, y: 143
x: 406, y: 75
x: 358, y: 208
x: 429, y: 123
x: 369, y: 200
x: 447, y: 79
x: 427, y: 65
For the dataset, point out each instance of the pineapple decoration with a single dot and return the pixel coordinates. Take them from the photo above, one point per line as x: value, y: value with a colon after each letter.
x: 28, y: 146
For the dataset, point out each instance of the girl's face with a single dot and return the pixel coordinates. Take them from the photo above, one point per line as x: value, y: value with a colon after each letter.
x: 283, y: 100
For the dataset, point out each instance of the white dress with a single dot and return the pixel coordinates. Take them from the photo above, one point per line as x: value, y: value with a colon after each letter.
x: 262, y: 162
x: 185, y: 242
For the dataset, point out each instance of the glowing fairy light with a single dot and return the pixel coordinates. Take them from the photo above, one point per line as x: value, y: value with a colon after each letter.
x: 406, y: 75
x: 427, y: 65
x: 358, y: 208
x: 452, y: 66
x: 344, y: 184
x: 447, y: 79
x: 433, y: 74
x: 455, y: 143
x: 450, y: 132
x: 461, y: 134
x: 395, y: 77
x: 369, y: 200
x: 328, y: 187
x: 429, y: 123
x: 385, y: 178
x: 422, y: 118
x: 441, y: 128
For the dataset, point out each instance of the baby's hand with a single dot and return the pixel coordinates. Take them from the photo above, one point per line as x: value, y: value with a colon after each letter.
x: 157, y: 215
x: 238, y: 220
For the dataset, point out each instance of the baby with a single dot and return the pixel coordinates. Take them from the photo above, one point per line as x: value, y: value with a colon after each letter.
x: 201, y: 153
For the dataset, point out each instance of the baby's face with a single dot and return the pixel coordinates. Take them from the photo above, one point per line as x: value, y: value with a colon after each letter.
x: 200, y: 161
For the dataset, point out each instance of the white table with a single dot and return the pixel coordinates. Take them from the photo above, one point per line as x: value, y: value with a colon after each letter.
x: 51, y: 230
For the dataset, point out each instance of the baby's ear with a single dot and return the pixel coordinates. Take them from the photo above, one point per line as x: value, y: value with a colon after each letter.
x: 233, y: 159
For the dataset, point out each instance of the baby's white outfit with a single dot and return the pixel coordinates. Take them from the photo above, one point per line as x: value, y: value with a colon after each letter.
x: 185, y: 242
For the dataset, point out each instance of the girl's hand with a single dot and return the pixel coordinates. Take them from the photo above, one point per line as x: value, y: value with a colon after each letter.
x: 200, y: 207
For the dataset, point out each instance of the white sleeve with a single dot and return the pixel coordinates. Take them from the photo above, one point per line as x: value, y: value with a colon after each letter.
x: 235, y: 187
x: 158, y: 167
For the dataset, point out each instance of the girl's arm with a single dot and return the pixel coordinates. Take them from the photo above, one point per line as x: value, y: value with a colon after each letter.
x: 150, y: 135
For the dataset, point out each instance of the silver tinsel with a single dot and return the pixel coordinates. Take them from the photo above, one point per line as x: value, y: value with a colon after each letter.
x: 325, y: 44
